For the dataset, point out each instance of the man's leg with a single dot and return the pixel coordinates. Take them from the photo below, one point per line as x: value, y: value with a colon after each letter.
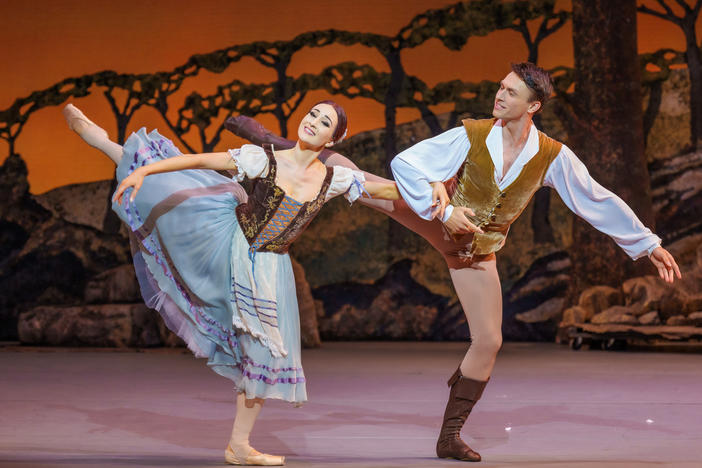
x: 477, y: 285
x: 478, y: 289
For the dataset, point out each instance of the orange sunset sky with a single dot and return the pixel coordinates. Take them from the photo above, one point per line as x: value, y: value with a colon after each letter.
x: 45, y: 41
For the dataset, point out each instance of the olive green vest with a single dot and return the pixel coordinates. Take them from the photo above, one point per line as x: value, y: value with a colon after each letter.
x: 495, y: 209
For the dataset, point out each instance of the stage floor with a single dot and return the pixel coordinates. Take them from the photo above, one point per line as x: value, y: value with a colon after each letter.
x: 371, y: 405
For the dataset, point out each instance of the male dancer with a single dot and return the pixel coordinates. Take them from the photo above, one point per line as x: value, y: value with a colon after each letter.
x: 495, y: 166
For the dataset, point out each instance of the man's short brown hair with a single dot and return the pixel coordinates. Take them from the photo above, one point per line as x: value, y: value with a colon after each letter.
x: 537, y: 80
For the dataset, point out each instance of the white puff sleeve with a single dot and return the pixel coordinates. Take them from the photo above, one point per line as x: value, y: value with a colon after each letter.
x: 348, y: 182
x: 251, y: 162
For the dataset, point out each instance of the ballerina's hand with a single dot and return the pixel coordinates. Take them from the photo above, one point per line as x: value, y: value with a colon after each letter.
x: 133, y: 180
x: 665, y: 263
x: 439, y: 199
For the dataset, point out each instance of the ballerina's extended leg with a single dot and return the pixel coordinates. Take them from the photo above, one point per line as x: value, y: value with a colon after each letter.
x: 92, y: 134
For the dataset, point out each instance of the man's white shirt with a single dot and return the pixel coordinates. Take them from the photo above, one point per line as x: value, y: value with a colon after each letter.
x: 439, y: 159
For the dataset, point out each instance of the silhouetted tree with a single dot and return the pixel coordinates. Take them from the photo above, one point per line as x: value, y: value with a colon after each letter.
x: 201, y: 112
x: 14, y: 118
x: 686, y: 22
x: 551, y: 21
x: 655, y: 69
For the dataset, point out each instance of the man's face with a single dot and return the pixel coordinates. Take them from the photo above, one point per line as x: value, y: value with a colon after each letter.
x: 512, y: 100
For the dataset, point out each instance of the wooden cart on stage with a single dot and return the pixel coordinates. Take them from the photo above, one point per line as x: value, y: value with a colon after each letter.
x: 613, y: 337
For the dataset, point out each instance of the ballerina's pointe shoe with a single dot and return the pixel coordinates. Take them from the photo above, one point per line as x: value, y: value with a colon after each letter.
x: 252, y: 458
x: 79, y: 123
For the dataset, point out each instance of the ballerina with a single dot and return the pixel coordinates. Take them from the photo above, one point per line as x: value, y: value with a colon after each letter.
x: 213, y: 260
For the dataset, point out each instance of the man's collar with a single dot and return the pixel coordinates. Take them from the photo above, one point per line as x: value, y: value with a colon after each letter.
x: 531, y: 146
x: 494, y: 146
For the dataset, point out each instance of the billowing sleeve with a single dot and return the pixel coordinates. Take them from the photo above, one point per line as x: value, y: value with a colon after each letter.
x: 251, y: 162
x: 431, y: 160
x: 605, y: 211
x: 348, y: 182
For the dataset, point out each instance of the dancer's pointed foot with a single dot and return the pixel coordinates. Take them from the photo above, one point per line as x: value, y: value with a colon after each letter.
x: 91, y: 133
x: 79, y: 123
x: 252, y: 457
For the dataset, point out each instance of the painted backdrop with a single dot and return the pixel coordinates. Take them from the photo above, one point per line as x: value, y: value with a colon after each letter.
x: 405, y: 70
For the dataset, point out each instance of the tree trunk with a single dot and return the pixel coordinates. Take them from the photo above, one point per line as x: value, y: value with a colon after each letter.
x: 608, y: 99
x: 655, y: 97
x: 279, y: 112
x: 430, y: 119
x: 396, y: 232
x: 694, y: 66
x: 397, y: 78
x: 540, y: 223
x: 533, y: 48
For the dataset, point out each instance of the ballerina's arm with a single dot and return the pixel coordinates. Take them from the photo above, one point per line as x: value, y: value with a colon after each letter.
x: 214, y: 161
x: 382, y: 190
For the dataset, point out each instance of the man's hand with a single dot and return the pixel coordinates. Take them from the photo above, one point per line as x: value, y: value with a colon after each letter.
x: 458, y: 222
x: 439, y: 199
x: 665, y: 263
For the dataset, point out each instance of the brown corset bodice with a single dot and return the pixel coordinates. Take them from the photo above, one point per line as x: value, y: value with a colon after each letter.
x: 271, y: 220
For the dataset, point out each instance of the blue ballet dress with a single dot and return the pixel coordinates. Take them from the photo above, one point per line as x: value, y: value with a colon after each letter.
x: 216, y: 268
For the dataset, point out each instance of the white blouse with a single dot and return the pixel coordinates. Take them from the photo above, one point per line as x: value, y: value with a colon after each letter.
x: 251, y: 162
x: 440, y: 157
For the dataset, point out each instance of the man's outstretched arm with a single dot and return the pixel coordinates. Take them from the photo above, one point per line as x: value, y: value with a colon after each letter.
x: 607, y: 213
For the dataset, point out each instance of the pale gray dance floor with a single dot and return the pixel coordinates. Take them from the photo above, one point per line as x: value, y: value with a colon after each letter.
x: 371, y: 405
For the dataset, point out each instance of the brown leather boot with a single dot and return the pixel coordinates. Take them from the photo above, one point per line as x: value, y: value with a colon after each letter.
x: 464, y: 394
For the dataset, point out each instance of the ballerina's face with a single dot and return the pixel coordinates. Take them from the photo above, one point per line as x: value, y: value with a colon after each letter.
x: 317, y: 127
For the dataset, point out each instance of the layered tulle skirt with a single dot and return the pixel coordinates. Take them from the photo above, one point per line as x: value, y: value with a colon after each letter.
x: 194, y: 268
